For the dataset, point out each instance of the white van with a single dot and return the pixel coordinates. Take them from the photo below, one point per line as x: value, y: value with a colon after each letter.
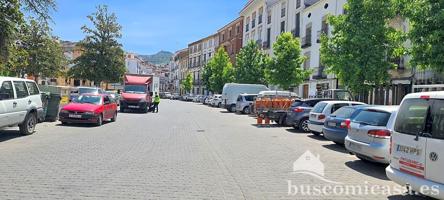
x: 417, y: 144
x: 231, y: 92
x: 20, y: 104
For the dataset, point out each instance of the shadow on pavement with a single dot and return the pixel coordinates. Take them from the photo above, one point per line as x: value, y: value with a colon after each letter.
x: 408, y: 197
x: 224, y: 111
x: 335, y: 147
x: 267, y: 126
x: 295, y: 131
x: 375, y: 170
x: 6, y: 135
x: 82, y: 125
x: 320, y: 137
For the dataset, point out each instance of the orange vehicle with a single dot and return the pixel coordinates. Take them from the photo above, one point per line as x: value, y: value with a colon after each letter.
x: 273, y: 105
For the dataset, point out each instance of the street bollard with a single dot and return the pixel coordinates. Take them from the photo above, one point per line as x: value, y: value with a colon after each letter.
x: 267, y: 121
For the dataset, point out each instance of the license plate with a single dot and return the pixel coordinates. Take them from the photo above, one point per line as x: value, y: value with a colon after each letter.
x: 408, y: 150
x: 75, y: 116
x: 354, y: 146
x: 133, y: 106
x: 333, y: 124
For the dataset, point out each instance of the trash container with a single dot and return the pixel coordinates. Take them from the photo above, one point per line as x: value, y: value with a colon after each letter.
x: 52, y: 110
x: 45, y: 99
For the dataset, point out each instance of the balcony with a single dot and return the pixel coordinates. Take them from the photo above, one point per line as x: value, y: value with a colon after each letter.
x: 306, y: 42
x: 320, y: 73
x: 197, y: 82
x: 324, y: 30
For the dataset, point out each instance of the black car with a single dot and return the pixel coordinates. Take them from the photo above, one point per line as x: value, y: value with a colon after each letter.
x: 298, y: 113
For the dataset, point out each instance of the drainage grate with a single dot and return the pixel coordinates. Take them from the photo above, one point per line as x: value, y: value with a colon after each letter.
x: 200, y: 131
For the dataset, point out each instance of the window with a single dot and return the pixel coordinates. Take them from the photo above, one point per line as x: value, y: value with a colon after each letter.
x: 237, y: 29
x: 297, y: 32
x: 319, y: 108
x: 282, y: 26
x: 307, y: 61
x: 20, y: 89
x: 253, y: 20
x: 6, y: 91
x: 247, y: 24
x: 259, y: 33
x: 283, y: 9
x: 437, y: 119
x: 344, y: 112
x: 32, y: 87
x: 261, y: 13
x: 269, y: 17
x: 372, y: 117
x: 249, y: 97
x: 298, y: 3
x: 336, y: 107
x: 411, y: 116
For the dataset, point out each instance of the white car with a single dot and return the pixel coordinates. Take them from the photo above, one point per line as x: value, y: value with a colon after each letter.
x: 324, y: 109
x: 20, y: 104
x: 417, y: 144
x: 244, y: 102
x: 216, y: 101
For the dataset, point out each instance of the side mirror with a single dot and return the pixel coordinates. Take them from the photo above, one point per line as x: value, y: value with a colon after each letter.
x: 4, y: 96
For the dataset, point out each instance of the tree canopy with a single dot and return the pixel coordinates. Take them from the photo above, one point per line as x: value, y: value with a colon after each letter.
x: 362, y: 45
x: 286, y: 69
x: 219, y: 71
x: 251, y: 63
x: 102, y: 59
x: 187, y: 83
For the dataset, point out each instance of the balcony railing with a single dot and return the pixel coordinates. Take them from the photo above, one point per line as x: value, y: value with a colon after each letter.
x: 306, y: 41
x: 324, y: 30
x: 295, y: 33
x: 320, y: 74
x: 197, y: 82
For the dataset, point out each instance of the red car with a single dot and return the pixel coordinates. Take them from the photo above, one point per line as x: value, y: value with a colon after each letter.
x: 89, y: 108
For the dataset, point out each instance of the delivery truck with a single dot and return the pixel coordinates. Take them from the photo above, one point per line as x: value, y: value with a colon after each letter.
x: 138, y: 91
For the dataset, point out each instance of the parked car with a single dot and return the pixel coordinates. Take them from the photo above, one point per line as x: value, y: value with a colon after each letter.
x: 417, y: 144
x: 231, y: 91
x: 369, y: 133
x: 89, y: 108
x: 187, y: 97
x: 76, y: 92
x: 324, y: 109
x: 20, y: 104
x: 175, y: 96
x: 167, y: 95
x: 216, y: 101
x: 244, y: 102
x: 336, y: 125
x: 208, y: 100
x: 114, y: 95
x: 299, y: 112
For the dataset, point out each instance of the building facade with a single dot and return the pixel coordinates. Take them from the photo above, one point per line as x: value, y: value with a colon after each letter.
x: 230, y: 37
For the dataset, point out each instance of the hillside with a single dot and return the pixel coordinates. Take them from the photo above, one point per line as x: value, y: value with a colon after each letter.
x: 160, y: 58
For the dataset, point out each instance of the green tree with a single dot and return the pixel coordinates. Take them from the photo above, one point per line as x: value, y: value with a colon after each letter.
x: 362, y: 45
x: 251, y: 63
x: 286, y: 69
x: 187, y: 83
x: 103, y: 58
x: 427, y: 32
x: 11, y: 18
x: 221, y: 69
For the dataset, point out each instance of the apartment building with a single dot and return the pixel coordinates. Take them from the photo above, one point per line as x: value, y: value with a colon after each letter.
x: 256, y: 21
x: 178, y: 69
x: 195, y: 64
x: 231, y: 37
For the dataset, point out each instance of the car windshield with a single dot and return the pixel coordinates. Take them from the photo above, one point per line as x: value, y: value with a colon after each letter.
x: 344, y: 112
x: 411, y: 116
x: 372, y: 117
x: 250, y: 97
x: 89, y: 99
x: 88, y: 91
x: 319, y: 107
x: 138, y: 89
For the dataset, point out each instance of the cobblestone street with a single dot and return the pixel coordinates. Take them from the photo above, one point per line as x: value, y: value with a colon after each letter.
x: 186, y: 151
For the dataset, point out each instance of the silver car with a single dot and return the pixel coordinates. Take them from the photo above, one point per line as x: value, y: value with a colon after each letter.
x: 244, y: 102
x: 369, y: 133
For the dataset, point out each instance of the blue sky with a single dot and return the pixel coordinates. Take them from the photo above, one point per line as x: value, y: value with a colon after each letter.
x: 150, y: 25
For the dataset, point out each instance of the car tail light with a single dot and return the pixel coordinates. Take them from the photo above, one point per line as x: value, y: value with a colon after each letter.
x: 321, y: 117
x: 298, y: 110
x: 379, y: 133
x: 425, y: 97
x: 346, y: 124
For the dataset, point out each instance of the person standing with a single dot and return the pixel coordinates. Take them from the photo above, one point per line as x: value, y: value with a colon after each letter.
x: 156, y: 103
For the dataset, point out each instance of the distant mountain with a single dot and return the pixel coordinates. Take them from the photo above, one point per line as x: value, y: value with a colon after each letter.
x: 160, y: 58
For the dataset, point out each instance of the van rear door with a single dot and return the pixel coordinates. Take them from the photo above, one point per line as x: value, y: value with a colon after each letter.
x: 408, y: 142
x: 435, y: 144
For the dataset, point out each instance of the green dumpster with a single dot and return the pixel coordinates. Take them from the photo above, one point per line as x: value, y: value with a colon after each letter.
x: 52, y: 110
x: 45, y: 99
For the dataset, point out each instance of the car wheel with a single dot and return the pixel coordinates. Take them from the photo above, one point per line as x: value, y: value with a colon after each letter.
x: 64, y: 123
x: 219, y: 105
x: 99, y: 120
x: 232, y: 108
x: 246, y: 110
x: 122, y: 110
x: 28, y: 126
x: 303, y: 125
x: 282, y: 120
x: 114, y: 117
